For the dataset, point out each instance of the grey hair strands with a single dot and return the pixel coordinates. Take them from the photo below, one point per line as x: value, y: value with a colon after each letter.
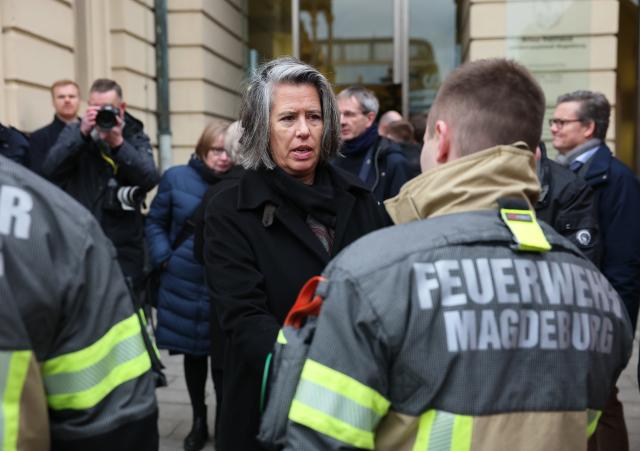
x: 255, y: 111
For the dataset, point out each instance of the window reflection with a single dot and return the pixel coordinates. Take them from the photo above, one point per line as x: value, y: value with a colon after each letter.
x: 269, y: 30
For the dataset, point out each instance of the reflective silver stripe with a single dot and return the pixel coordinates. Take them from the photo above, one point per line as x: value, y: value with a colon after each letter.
x: 5, y: 360
x: 441, y: 431
x: 336, y: 406
x: 77, y: 381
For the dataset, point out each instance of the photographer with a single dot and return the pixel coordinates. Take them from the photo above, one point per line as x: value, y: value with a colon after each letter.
x: 105, y: 162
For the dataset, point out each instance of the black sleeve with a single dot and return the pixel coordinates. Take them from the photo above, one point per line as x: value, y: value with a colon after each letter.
x: 577, y: 219
x: 63, y: 156
x: 135, y: 162
x: 16, y: 148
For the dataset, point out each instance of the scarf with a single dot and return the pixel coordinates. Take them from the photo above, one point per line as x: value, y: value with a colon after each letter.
x: 356, y: 146
x: 208, y: 175
x: 317, y: 200
x: 569, y: 157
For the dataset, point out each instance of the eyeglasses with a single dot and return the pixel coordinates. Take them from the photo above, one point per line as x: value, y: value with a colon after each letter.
x: 560, y: 122
x: 217, y: 151
x: 351, y: 114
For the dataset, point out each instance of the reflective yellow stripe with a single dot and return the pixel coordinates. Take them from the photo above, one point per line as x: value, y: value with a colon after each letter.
x: 330, y: 426
x: 424, y: 431
x: 462, y: 431
x: 78, y: 360
x: 81, y: 379
x: 281, y: 338
x: 443, y: 431
x: 90, y: 397
x: 345, y: 386
x: 526, y: 230
x: 13, y: 371
x: 592, y: 421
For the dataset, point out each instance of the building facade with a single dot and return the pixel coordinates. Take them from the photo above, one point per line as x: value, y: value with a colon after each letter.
x: 47, y: 40
x: 402, y: 49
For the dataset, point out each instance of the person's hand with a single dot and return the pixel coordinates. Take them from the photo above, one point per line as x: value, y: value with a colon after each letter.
x: 113, y: 137
x: 89, y: 120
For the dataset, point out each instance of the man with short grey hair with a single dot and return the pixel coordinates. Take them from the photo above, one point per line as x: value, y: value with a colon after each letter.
x: 377, y: 161
x: 579, y: 129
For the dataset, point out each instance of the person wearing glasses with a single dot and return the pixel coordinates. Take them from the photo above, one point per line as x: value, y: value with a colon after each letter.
x: 579, y: 129
x: 377, y: 161
x: 183, y: 298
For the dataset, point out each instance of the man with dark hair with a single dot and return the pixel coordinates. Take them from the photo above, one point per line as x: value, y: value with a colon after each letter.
x: 105, y: 162
x: 579, y: 129
x: 470, y: 325
x: 402, y: 133
x: 65, y: 96
x: 377, y: 161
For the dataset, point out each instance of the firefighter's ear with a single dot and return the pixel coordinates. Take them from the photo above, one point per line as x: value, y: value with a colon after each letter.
x: 442, y: 134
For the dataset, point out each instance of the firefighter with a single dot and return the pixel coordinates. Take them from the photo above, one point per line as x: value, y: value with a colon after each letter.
x: 469, y: 325
x: 74, y: 369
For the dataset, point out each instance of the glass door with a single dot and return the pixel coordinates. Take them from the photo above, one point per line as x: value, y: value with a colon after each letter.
x: 353, y: 42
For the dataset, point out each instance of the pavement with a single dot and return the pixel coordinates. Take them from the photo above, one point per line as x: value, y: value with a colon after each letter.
x: 175, y: 409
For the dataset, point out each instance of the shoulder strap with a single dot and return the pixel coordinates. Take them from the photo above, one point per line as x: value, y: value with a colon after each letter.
x: 521, y: 221
x: 186, y: 231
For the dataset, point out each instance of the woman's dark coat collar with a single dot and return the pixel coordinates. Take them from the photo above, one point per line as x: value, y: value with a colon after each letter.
x: 253, y: 190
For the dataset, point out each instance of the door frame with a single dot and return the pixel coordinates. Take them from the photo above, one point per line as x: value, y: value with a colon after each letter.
x: 400, y: 45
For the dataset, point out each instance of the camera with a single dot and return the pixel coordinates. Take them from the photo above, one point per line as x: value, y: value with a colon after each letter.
x: 122, y: 197
x: 107, y: 117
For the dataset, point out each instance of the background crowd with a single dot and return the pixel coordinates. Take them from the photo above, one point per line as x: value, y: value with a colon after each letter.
x: 267, y: 202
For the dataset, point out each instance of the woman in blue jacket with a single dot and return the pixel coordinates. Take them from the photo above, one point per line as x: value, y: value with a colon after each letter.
x: 183, y: 299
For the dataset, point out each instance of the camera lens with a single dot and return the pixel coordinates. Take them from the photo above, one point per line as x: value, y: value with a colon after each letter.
x: 106, y: 118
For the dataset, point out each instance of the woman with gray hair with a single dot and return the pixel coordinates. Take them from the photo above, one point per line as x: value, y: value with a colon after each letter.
x: 289, y: 214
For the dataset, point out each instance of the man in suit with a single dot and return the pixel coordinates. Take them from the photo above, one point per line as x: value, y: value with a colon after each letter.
x: 579, y: 128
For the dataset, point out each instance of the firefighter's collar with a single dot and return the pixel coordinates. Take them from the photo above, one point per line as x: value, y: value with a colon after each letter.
x: 474, y: 182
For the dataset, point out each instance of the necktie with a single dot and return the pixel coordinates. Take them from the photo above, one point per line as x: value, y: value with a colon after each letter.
x: 576, y: 165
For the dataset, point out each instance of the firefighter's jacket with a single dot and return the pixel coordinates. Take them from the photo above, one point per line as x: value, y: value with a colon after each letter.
x: 74, y: 371
x: 440, y: 334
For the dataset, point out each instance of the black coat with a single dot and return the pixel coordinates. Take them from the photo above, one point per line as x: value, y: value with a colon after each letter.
x: 256, y: 261
x: 568, y: 205
x: 41, y: 141
x: 75, y: 163
x: 389, y: 167
x: 618, y: 195
x: 14, y: 145
x: 216, y: 335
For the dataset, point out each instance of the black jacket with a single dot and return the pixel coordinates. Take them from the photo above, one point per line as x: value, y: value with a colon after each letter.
x: 617, y: 192
x: 76, y: 164
x: 256, y: 260
x: 568, y: 205
x: 41, y: 141
x: 390, y: 169
x: 218, y: 340
x: 13, y: 145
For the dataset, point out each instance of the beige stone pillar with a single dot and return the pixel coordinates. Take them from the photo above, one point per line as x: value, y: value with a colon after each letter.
x: 567, y: 44
x: 37, y: 44
x: 207, y: 45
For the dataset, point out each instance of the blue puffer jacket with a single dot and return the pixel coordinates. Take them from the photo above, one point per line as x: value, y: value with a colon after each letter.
x: 183, y: 300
